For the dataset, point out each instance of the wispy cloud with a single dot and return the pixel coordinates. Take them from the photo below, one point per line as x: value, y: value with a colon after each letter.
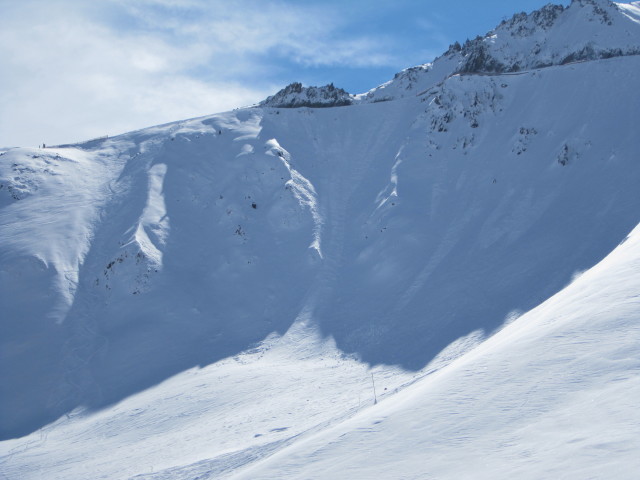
x: 74, y: 69
x: 307, y: 33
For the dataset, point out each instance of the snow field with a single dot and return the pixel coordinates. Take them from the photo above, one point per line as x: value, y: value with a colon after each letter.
x: 551, y: 395
x: 209, y: 298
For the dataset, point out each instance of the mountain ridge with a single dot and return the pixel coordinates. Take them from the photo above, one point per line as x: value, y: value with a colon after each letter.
x: 251, y: 278
x: 521, y: 43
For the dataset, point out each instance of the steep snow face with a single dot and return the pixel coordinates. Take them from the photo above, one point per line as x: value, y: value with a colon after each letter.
x: 231, y: 279
x: 29, y: 178
x: 295, y: 95
x: 397, y: 228
x: 631, y: 10
x: 553, y: 35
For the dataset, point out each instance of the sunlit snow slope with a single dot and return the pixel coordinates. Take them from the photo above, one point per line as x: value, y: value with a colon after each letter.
x: 187, y: 300
x: 552, y: 395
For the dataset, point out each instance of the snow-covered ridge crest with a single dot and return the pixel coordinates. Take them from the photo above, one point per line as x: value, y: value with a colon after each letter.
x: 586, y: 30
x: 295, y: 95
x: 552, y: 35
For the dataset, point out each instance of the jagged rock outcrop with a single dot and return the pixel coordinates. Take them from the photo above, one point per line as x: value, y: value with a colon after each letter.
x: 295, y: 95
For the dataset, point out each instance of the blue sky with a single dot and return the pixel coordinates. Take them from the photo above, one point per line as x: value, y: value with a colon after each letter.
x: 76, y: 69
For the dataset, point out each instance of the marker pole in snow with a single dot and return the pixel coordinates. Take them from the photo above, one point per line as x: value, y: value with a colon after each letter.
x: 375, y: 398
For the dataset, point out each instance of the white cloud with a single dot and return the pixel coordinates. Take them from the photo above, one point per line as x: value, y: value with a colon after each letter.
x: 74, y: 69
x: 309, y: 34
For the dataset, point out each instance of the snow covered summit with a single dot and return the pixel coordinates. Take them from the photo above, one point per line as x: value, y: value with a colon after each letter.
x: 553, y: 35
x: 446, y: 268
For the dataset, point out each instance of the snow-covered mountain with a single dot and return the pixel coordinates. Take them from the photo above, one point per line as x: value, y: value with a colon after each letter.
x: 432, y: 279
x: 554, y: 35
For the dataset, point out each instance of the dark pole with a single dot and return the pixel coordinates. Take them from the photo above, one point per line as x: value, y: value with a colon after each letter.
x: 375, y: 398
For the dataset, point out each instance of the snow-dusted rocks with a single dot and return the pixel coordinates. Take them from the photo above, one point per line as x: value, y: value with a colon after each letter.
x: 295, y: 95
x: 554, y: 35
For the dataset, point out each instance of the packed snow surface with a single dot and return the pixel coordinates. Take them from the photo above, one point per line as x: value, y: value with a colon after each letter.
x: 552, y: 395
x: 442, y: 284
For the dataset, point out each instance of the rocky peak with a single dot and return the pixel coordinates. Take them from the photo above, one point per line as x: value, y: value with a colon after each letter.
x: 552, y: 35
x: 525, y: 24
x: 295, y: 95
